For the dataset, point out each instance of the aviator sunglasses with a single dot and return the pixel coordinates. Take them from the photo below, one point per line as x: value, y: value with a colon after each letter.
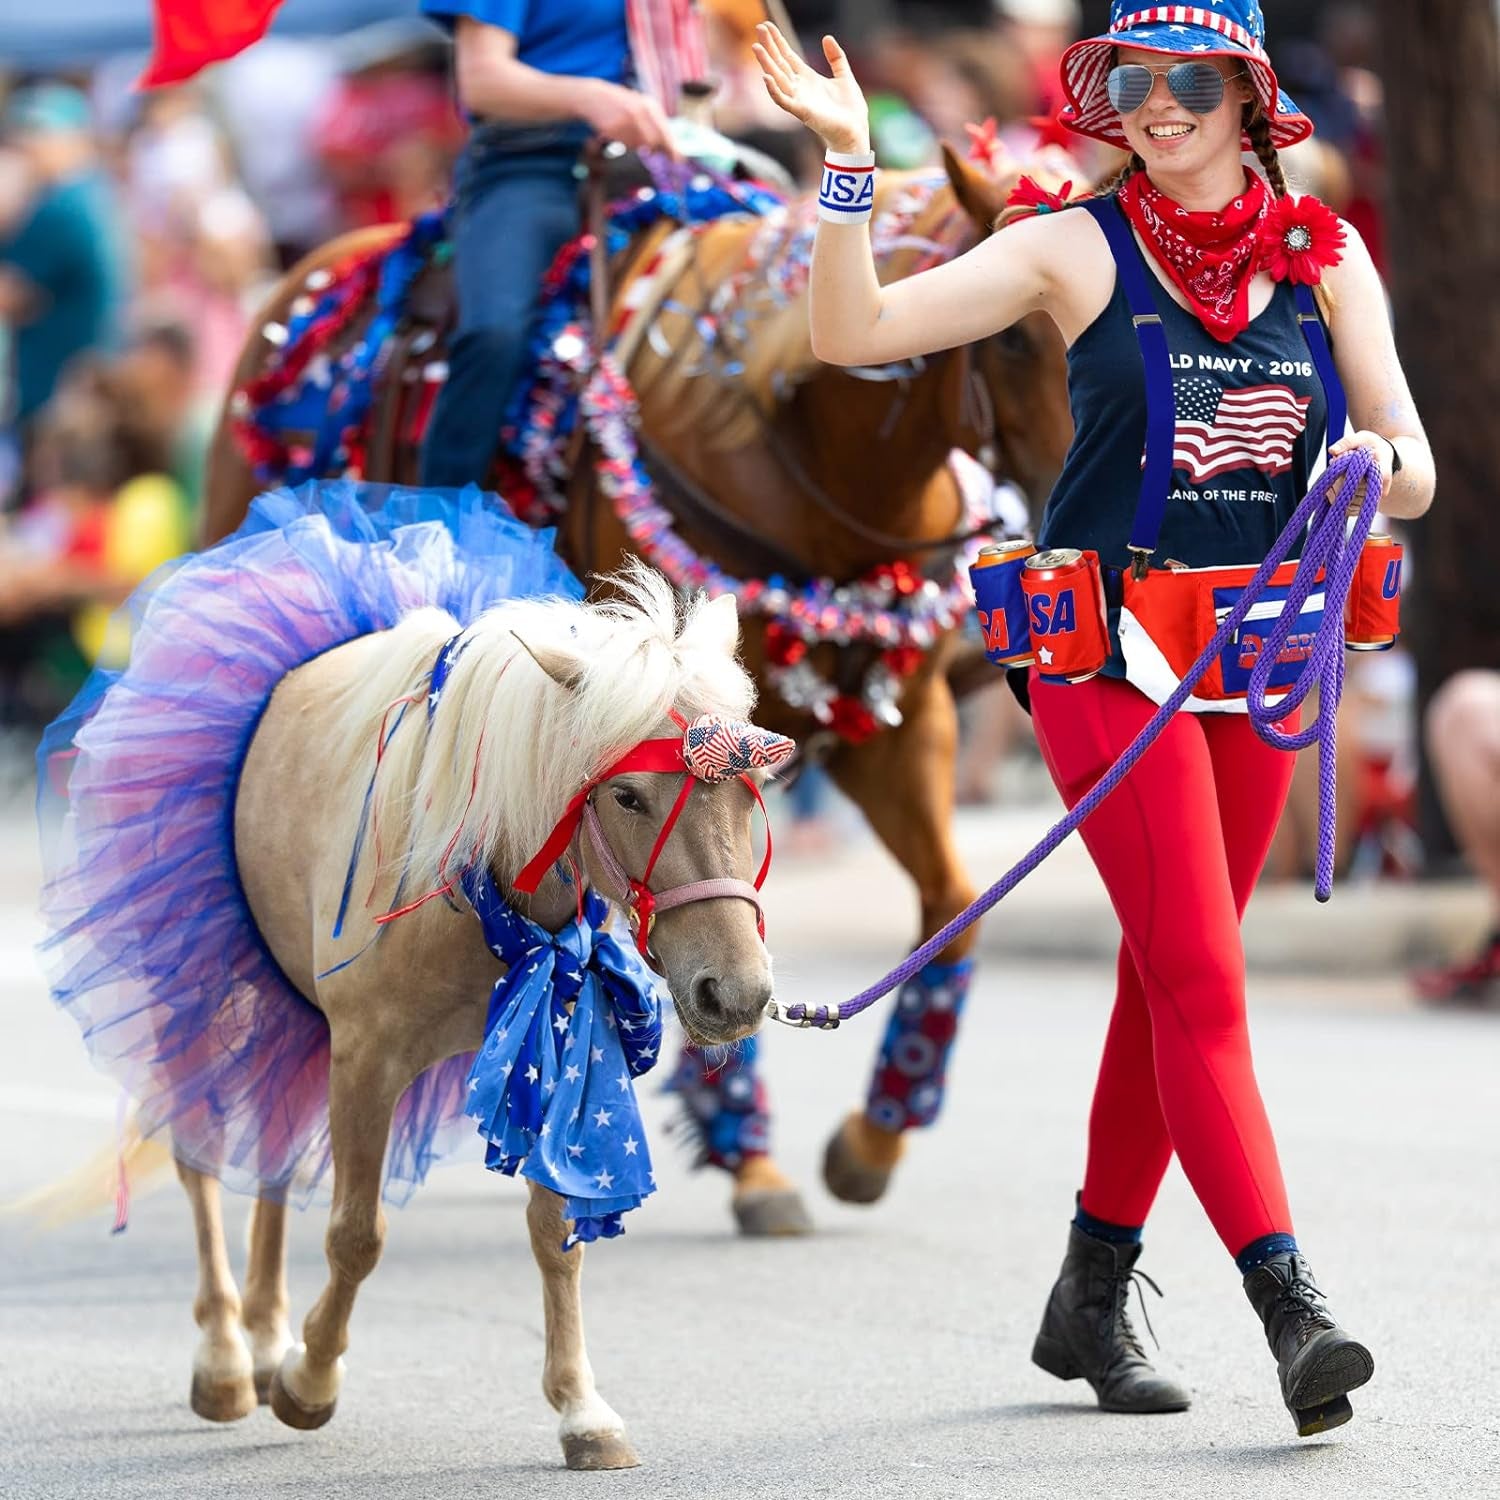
x: 1196, y: 86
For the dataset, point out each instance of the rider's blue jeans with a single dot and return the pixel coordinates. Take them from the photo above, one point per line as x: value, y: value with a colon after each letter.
x: 515, y: 206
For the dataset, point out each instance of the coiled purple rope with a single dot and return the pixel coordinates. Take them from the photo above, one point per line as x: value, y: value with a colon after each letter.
x: 1332, y: 550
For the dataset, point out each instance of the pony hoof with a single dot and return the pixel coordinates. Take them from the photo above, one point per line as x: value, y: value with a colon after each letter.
x: 599, y: 1450
x: 859, y: 1161
x: 222, y: 1400
x: 292, y: 1412
x: 779, y: 1211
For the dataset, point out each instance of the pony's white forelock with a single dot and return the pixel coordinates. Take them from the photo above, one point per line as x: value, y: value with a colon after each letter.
x: 507, y: 747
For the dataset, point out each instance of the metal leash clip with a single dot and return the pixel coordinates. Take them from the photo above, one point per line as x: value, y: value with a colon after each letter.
x: 824, y: 1019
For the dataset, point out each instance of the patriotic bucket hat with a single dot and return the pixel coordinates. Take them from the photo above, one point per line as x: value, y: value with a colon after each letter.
x: 1228, y: 28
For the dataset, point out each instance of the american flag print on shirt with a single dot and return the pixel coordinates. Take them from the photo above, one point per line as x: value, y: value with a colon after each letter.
x: 1218, y: 430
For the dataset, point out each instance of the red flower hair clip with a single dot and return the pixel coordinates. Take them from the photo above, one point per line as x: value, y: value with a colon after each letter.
x: 1298, y: 237
x: 1030, y: 194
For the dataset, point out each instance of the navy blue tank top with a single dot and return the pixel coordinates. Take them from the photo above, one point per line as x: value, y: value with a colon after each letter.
x: 1251, y: 417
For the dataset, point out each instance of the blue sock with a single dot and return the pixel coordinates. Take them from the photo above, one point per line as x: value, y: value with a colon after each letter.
x: 1258, y: 1252
x: 1102, y: 1229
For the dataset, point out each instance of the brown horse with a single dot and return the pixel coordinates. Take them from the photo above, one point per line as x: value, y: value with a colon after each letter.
x: 785, y: 464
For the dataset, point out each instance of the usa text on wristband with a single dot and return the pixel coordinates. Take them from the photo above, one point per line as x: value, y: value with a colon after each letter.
x: 847, y: 192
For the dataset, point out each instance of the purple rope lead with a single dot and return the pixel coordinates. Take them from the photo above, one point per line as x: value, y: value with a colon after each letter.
x: 1329, y: 550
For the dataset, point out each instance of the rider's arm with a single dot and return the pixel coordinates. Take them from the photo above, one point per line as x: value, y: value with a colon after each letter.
x: 1379, y: 399
x: 495, y: 84
x: 856, y: 321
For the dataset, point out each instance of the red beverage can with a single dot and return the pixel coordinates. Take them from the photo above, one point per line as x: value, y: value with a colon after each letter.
x: 1000, y: 602
x: 1372, y: 610
x: 1065, y: 614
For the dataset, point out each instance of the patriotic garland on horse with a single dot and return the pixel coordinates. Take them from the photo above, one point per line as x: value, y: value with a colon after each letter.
x: 897, y: 612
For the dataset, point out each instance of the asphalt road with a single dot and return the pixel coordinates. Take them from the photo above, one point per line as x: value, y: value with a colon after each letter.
x: 887, y: 1356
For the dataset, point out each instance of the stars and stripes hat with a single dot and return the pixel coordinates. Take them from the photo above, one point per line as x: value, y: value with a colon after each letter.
x: 1230, y: 28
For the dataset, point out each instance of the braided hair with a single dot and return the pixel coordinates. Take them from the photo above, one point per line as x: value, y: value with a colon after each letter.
x: 1258, y: 129
x: 1115, y: 183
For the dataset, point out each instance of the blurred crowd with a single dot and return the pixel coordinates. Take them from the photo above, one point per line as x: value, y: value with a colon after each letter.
x: 139, y: 231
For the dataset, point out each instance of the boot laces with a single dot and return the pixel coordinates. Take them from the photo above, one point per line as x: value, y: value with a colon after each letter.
x: 1119, y: 1320
x: 1302, y: 1302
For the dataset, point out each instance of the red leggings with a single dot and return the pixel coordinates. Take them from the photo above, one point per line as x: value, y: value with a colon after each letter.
x: 1179, y: 845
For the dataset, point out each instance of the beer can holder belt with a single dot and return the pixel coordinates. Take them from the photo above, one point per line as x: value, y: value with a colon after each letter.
x: 1331, y: 559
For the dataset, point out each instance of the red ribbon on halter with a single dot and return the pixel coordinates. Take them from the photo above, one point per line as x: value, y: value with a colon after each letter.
x: 649, y: 755
x: 660, y: 755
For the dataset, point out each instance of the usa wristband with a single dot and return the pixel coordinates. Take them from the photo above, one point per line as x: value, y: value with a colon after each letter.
x: 847, y: 192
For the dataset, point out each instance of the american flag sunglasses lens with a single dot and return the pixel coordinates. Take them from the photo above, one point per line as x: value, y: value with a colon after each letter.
x: 1196, y: 86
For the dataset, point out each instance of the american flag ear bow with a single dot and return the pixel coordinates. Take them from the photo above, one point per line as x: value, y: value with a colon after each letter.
x: 716, y: 749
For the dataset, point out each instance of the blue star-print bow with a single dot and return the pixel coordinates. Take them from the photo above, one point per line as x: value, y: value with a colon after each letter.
x: 552, y: 1090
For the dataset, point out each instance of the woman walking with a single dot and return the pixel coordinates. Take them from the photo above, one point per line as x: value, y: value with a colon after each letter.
x: 1192, y: 245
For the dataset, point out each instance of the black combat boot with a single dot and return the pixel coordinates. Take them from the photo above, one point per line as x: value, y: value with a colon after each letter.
x: 1086, y: 1330
x: 1318, y: 1362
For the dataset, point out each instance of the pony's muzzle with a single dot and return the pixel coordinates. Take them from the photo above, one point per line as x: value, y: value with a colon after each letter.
x: 723, y: 1008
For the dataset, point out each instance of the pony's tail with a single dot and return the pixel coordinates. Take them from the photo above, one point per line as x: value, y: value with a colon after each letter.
x: 128, y: 1164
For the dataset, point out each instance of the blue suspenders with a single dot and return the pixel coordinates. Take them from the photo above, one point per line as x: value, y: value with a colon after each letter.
x: 1322, y: 356
x: 1161, y: 403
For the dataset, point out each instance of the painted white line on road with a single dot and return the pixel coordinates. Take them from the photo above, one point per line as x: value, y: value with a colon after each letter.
x: 78, y: 1103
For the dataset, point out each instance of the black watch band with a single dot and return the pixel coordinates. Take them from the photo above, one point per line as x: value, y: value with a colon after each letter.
x: 1395, y: 456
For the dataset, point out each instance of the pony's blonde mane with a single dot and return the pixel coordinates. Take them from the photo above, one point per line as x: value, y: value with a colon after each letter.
x: 507, y: 746
x: 775, y: 352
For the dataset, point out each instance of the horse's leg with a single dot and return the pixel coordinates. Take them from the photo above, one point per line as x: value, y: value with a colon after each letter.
x: 591, y: 1432
x: 267, y: 1304
x: 903, y: 782
x: 363, y: 1087
x: 724, y: 1101
x: 223, y: 1376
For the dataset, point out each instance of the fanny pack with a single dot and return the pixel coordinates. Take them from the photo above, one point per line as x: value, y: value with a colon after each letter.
x: 1167, y: 617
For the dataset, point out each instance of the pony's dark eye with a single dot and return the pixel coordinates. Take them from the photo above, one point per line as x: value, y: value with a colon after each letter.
x: 627, y: 799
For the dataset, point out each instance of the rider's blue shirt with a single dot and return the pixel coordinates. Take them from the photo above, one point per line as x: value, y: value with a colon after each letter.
x: 576, y: 38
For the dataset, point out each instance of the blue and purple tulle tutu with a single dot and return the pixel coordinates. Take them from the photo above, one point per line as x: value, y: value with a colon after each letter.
x: 149, y: 943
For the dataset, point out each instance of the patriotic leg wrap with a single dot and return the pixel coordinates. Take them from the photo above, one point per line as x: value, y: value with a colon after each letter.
x: 724, y: 1104
x: 911, y: 1070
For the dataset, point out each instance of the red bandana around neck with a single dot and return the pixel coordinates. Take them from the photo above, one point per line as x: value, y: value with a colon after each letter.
x: 1210, y: 258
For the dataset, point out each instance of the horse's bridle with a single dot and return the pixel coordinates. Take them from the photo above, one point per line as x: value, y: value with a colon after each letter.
x: 643, y: 904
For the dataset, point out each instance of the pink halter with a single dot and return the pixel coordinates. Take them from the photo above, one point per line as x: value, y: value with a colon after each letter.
x: 709, y: 749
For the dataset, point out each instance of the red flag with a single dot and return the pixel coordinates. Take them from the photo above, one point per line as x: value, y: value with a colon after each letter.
x: 190, y: 34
